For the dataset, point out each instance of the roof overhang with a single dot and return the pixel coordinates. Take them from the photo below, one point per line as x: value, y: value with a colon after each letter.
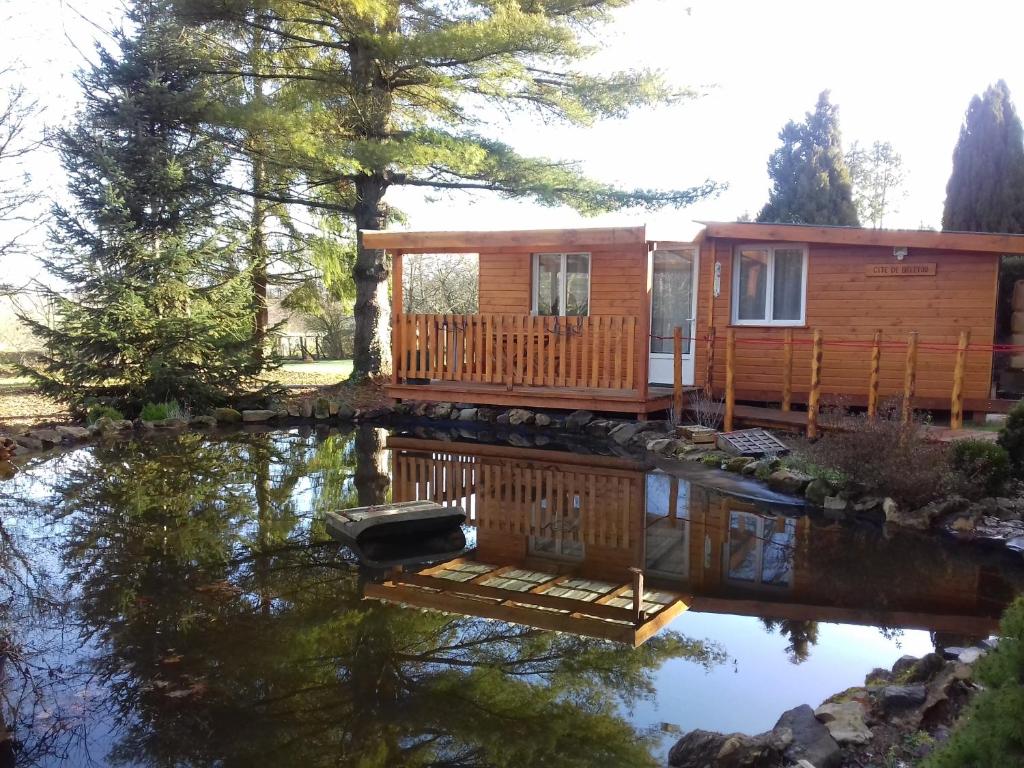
x: 910, y: 238
x: 471, y: 241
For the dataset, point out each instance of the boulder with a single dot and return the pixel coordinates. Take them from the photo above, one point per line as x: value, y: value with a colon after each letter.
x: 542, y: 420
x: 924, y: 669
x: 441, y: 411
x: 703, y: 749
x: 173, y: 423
x: 227, y: 415
x: 486, y: 414
x: 835, y: 504
x: 878, y: 675
x: 294, y: 408
x: 203, y: 421
x: 502, y: 418
x: 738, y: 463
x: 599, y: 428
x: 970, y: 655
x: 257, y: 416
x: 108, y: 426
x: 519, y: 416
x: 903, y: 665
x: 663, y: 445
x: 519, y: 440
x: 72, y: 433
x: 306, y: 409
x: 867, y: 504
x: 899, y: 698
x: 7, y: 471
x: 346, y: 412
x: 811, y: 740
x: 321, y: 409
x: 817, y: 491
x: 788, y: 481
x: 332, y: 407
x: 845, y: 722
x: 28, y: 443
x: 751, y: 469
x: 577, y: 420
x: 47, y: 436
x: 623, y: 433
x: 468, y: 414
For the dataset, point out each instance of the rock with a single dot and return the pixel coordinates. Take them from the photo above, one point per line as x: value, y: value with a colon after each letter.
x: 7, y: 471
x: 867, y: 504
x: 321, y: 409
x: 898, y: 698
x: 751, y: 468
x: 108, y: 426
x: 258, y: 415
x: 577, y: 420
x: 817, y: 491
x: 661, y: 445
x: 174, y: 423
x: 623, y: 433
x: 599, y: 428
x: 399, y: 409
x: 962, y: 524
x: 702, y: 749
x: 519, y: 440
x: 346, y: 412
x: 845, y: 722
x: 332, y: 407
x: 203, y: 421
x: 519, y: 416
x: 441, y: 411
x: 903, y: 665
x: 738, y: 463
x: 1016, y: 544
x: 375, y: 412
x: 486, y: 414
x: 952, y: 652
x: 501, y: 418
x: 467, y: 414
x: 924, y: 669
x: 227, y: 415
x: 835, y: 504
x: 47, y: 436
x: 29, y: 443
x: 421, y: 410
x: 542, y: 420
x: 788, y: 481
x: 294, y: 408
x: 879, y: 675
x: 811, y: 741
x: 970, y: 655
x: 306, y: 409
x: 72, y: 433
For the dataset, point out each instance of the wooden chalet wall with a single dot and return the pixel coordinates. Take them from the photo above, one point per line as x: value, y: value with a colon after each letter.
x: 848, y: 305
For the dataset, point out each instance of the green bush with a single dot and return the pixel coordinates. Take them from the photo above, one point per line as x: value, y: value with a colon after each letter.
x: 991, y: 734
x: 160, y: 411
x: 97, y: 412
x: 981, y: 468
x: 1011, y: 437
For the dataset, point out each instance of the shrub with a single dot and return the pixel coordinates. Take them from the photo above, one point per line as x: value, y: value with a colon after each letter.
x: 1011, y: 437
x: 884, y: 457
x: 990, y: 734
x: 160, y: 411
x: 97, y: 412
x: 980, y: 468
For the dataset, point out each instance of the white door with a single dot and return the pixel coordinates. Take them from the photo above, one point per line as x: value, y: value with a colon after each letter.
x: 673, y: 304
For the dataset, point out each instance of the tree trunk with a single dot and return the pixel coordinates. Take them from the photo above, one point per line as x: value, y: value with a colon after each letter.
x: 372, y: 349
x: 259, y: 258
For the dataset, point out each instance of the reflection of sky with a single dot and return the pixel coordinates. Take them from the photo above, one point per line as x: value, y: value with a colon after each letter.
x: 758, y: 682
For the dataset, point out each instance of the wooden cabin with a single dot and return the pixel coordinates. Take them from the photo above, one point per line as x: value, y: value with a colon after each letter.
x: 584, y: 318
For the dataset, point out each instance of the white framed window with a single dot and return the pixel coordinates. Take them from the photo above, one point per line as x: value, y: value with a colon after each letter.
x: 769, y: 285
x: 561, y: 284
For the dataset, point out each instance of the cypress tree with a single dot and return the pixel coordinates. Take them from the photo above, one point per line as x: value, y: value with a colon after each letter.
x: 985, y: 192
x: 810, y: 180
x: 156, y: 310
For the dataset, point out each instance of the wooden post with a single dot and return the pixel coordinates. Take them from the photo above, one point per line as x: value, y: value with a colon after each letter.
x: 638, y: 595
x: 677, y: 373
x: 787, y: 371
x: 710, y: 367
x: 730, y: 379
x: 814, y: 398
x: 910, y: 378
x: 956, y: 411
x: 396, y: 313
x: 876, y: 365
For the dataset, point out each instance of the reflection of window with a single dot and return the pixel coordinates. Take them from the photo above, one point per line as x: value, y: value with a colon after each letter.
x: 667, y: 501
x: 769, y: 285
x: 559, y: 533
x: 561, y: 284
x: 760, y: 549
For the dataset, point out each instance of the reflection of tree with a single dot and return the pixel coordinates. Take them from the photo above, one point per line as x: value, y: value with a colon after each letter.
x: 229, y: 636
x: 802, y: 635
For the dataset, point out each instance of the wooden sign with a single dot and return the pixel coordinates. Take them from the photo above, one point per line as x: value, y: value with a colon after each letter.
x: 900, y: 269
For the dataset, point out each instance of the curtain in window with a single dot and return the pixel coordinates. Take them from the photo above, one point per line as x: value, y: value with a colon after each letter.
x: 548, y: 284
x: 787, y: 292
x: 577, y: 284
x: 753, y: 285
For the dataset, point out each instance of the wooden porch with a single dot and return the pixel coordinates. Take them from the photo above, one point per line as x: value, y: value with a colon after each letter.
x: 524, y: 360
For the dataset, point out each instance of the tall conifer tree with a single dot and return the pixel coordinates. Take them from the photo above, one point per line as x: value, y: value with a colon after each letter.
x: 810, y: 180
x: 985, y: 192
x: 156, y: 310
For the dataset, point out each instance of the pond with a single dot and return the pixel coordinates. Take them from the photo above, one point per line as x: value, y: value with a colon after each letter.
x: 178, y: 601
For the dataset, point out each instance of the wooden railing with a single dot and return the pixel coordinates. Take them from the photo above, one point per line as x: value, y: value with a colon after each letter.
x: 597, y: 352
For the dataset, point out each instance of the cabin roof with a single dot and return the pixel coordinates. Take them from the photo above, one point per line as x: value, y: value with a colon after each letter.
x: 475, y: 240
x: 986, y: 242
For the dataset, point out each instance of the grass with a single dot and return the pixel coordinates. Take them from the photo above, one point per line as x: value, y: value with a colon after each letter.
x: 315, y: 374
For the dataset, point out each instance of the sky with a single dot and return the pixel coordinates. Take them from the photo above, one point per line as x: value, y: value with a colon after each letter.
x: 900, y: 71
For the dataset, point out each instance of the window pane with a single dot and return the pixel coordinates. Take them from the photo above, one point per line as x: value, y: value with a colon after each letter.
x: 672, y: 299
x: 577, y: 284
x: 779, y: 545
x: 788, y: 292
x: 548, y: 267
x: 744, y: 546
x: 753, y: 285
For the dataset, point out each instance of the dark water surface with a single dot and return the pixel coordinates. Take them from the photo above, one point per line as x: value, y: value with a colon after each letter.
x: 178, y: 602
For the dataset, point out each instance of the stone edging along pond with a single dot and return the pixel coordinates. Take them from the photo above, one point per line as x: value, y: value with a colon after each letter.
x: 994, y: 521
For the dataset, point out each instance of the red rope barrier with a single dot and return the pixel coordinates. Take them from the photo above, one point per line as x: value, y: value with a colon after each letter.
x: 934, y: 346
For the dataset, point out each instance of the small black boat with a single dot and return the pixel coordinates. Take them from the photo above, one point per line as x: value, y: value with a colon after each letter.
x: 385, y: 521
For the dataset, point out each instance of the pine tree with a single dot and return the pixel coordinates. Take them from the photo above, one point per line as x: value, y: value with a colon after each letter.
x: 156, y: 310
x: 810, y: 180
x: 985, y: 192
x: 407, y: 93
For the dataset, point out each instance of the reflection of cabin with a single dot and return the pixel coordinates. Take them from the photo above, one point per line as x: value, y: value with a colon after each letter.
x: 545, y: 515
x: 584, y: 317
